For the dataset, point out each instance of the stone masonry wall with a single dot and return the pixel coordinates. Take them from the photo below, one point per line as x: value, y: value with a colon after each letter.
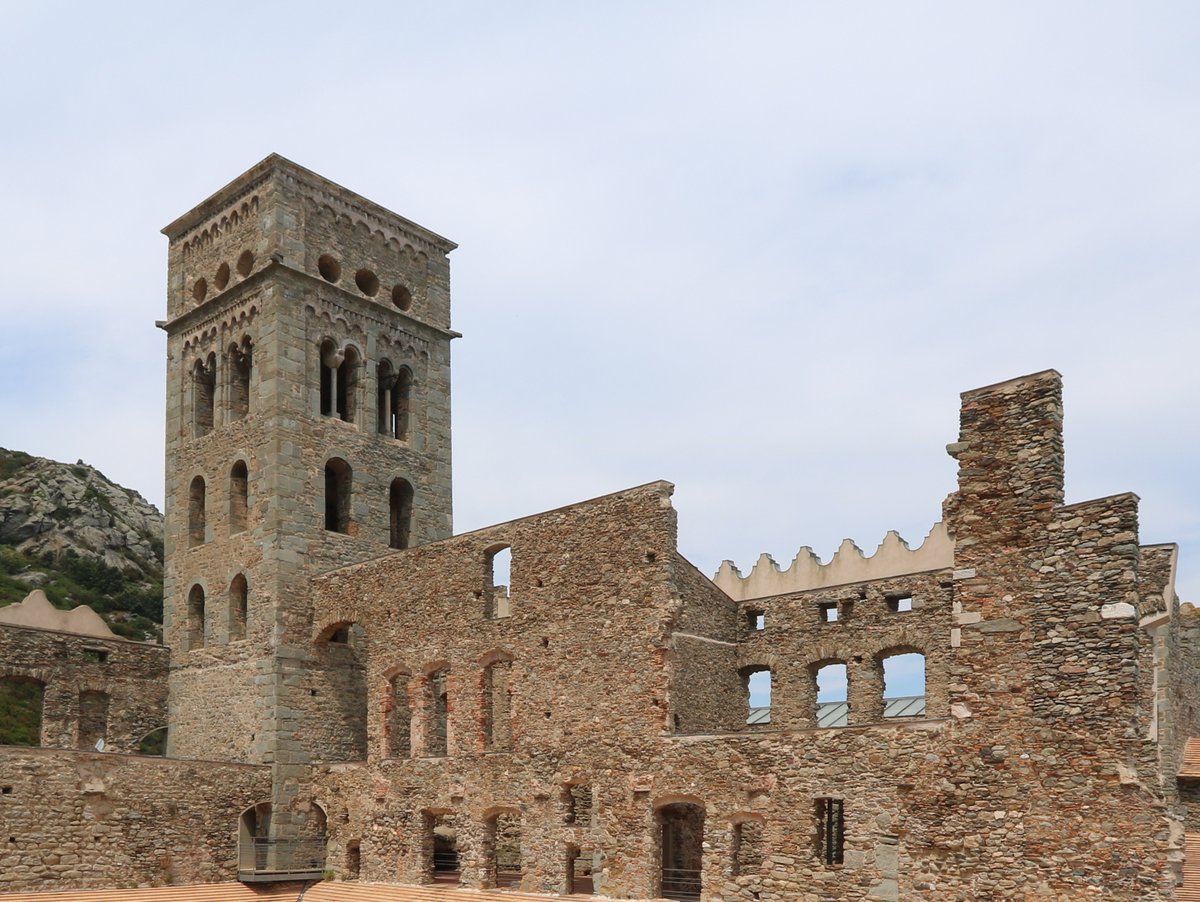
x: 131, y: 674
x: 101, y: 821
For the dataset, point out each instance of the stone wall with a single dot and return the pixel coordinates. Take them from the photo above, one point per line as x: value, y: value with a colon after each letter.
x: 80, y: 819
x: 131, y: 676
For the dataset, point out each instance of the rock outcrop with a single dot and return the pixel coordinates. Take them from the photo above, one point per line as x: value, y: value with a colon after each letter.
x: 47, y: 507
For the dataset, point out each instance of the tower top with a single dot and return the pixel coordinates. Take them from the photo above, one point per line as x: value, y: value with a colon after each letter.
x: 316, y: 186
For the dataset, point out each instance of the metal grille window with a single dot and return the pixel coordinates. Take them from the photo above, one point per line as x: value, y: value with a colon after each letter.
x: 831, y: 830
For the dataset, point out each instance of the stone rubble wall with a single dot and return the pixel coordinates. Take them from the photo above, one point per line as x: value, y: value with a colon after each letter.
x: 133, y: 676
x: 102, y: 821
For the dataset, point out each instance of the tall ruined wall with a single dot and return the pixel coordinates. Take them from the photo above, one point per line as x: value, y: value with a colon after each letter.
x: 101, y: 821
x: 131, y: 675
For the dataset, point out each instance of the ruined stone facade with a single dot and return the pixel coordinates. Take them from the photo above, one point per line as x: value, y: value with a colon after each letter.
x: 348, y: 675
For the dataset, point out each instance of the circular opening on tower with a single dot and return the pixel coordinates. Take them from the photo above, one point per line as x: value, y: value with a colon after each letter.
x: 222, y: 277
x: 245, y: 264
x: 200, y: 290
x: 367, y: 282
x: 401, y: 297
x: 329, y: 268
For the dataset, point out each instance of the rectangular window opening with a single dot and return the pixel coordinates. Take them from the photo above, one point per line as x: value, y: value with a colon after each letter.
x: 95, y: 655
x: 756, y: 620
x: 829, y: 612
x: 831, y: 830
x: 899, y: 604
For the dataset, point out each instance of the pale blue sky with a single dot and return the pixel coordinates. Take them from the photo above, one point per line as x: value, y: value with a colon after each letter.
x: 757, y: 250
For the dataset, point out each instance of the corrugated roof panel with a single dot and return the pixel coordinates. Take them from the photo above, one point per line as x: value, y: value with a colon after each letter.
x: 833, y: 714
x: 908, y: 706
x: 759, y: 715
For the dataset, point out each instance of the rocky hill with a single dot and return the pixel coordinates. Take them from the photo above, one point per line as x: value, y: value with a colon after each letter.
x: 82, y: 539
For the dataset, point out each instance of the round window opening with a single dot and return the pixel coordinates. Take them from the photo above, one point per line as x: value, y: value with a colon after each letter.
x: 329, y: 268
x: 222, y: 277
x: 402, y: 297
x: 367, y: 282
x: 245, y: 263
x: 200, y: 290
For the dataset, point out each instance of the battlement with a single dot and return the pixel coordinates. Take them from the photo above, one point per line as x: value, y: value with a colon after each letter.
x: 893, y: 557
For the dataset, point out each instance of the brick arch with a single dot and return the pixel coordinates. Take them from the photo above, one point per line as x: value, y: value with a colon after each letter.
x: 663, y: 801
x: 495, y: 655
x: 758, y: 661
x: 396, y: 670
x: 431, y: 667
x: 331, y: 625
x: 497, y: 810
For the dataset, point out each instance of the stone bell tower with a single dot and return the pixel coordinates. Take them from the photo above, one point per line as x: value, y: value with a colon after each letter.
x: 308, y: 427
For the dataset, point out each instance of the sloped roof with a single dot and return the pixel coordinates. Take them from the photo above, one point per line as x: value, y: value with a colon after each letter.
x: 36, y: 611
x: 1189, y: 766
x: 1190, y: 891
x: 837, y: 714
x: 327, y: 891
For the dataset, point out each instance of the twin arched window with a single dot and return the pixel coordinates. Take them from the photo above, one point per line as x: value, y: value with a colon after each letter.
x: 339, y: 380
x: 394, y: 396
x: 340, y: 368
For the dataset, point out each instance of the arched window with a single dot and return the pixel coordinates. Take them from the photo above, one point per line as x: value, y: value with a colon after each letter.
x: 21, y: 702
x: 437, y: 706
x: 197, y: 525
x: 756, y: 681
x: 496, y: 596
x: 401, y: 400
x: 398, y: 717
x: 903, y: 683
x: 195, y: 617
x: 385, y: 381
x: 241, y: 364
x: 337, y: 495
x: 497, y: 722
x: 239, y: 490
x: 339, y: 381
x: 833, y: 709
x: 400, y: 506
x: 93, y: 718
x: 204, y: 384
x: 239, y: 592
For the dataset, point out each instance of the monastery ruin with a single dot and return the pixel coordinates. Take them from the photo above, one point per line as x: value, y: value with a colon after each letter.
x: 351, y: 690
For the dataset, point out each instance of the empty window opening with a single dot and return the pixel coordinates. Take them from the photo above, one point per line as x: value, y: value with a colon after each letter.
x: 154, y: 743
x: 245, y: 263
x: 682, y: 849
x: 239, y: 592
x: 339, y: 381
x: 578, y: 797
x: 195, y: 618
x: 898, y: 604
x: 831, y: 830
x: 496, y: 596
x: 222, y: 277
x: 400, y: 508
x: 497, y: 721
x: 254, y: 831
x: 95, y: 655
x: 241, y: 365
x: 401, y: 297
x: 367, y: 282
x: 353, y: 861
x: 329, y: 268
x: 93, y: 719
x: 339, y: 636
x: 395, y: 392
x: 337, y: 495
x: 756, y: 620
x: 756, y: 682
x: 583, y: 866
x: 204, y: 384
x: 833, y: 709
x: 21, y: 702
x: 829, y: 612
x: 438, y: 705
x: 904, y: 685
x: 239, y: 497
x: 199, y: 290
x: 442, y: 844
x: 197, y: 526
x: 747, y: 857
x: 398, y: 718
x: 502, y: 850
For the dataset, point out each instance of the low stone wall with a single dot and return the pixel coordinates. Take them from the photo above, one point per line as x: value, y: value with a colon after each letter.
x: 97, y: 820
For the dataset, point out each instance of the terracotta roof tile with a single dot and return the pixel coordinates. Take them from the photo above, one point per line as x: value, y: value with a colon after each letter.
x: 1190, y: 765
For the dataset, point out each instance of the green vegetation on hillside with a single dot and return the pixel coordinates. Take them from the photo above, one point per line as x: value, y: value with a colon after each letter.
x: 131, y: 605
x: 20, y: 711
x: 13, y: 461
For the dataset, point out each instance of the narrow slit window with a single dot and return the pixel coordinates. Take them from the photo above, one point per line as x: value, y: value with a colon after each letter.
x: 238, y: 607
x: 831, y: 831
x: 241, y: 365
x: 337, y: 495
x: 400, y: 506
x: 197, y: 519
x: 204, y: 385
x: 195, y: 618
x: 238, y: 497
